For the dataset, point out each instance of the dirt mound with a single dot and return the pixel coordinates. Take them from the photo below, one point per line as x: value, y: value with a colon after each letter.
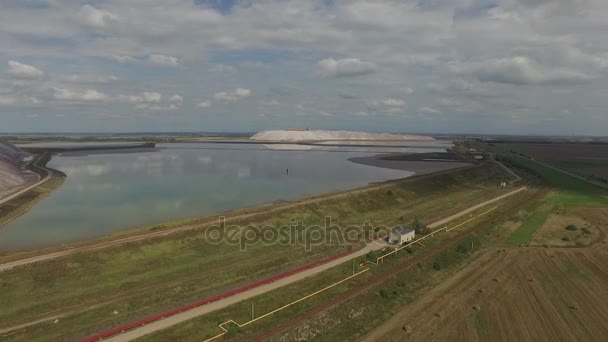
x: 12, y: 167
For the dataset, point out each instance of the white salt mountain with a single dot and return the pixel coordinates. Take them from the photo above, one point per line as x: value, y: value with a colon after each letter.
x: 13, y: 172
x: 318, y: 135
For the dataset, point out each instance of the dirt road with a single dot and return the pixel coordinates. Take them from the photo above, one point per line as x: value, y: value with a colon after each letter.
x: 475, y: 207
x: 222, y: 303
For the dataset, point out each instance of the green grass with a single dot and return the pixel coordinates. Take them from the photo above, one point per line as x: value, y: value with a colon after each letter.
x: 524, y: 233
x: 572, y: 190
x: 356, y: 315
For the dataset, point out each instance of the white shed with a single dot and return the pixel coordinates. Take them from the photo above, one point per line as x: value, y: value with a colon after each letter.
x: 400, y: 235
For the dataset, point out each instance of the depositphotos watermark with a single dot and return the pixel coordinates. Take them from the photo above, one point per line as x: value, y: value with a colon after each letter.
x: 294, y: 233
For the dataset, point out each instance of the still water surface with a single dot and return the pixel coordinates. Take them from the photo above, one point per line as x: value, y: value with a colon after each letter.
x: 106, y: 193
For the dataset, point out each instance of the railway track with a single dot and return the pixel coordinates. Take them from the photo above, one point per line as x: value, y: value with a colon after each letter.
x: 390, y: 274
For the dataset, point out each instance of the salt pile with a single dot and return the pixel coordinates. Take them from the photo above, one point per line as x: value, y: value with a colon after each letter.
x: 319, y: 135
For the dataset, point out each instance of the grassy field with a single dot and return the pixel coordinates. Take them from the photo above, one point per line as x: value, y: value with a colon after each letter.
x: 395, y: 291
x: 587, y: 160
x: 88, y: 292
x: 379, y: 304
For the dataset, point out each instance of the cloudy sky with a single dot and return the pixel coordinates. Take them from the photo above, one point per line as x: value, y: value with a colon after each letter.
x: 465, y: 66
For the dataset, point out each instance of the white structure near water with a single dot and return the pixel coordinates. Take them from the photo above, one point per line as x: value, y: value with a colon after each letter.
x: 401, y: 235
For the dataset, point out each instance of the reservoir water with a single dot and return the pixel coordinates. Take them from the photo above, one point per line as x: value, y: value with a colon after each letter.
x: 111, y: 192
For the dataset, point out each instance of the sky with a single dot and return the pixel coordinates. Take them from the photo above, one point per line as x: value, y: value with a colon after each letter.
x: 422, y: 66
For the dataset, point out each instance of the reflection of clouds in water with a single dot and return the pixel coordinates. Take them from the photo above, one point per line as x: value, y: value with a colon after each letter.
x: 158, y: 164
x: 205, y: 160
x: 243, y: 172
x: 98, y: 187
x: 79, y: 169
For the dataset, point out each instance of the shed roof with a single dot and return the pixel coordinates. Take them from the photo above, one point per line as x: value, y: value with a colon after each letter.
x: 403, y: 230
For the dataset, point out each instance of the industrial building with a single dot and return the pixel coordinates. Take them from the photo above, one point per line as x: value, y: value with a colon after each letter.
x: 400, y: 235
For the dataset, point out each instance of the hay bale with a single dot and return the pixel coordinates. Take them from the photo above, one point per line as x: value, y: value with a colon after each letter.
x: 476, y: 307
x: 482, y: 290
x: 496, y: 280
x: 407, y: 328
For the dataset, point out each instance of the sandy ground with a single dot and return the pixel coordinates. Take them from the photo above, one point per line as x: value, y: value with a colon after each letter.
x: 220, y: 304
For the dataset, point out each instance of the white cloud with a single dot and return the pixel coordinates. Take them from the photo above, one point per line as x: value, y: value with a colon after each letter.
x: 91, y: 79
x: 232, y: 96
x: 78, y: 95
x: 96, y: 19
x: 149, y: 100
x: 164, y: 60
x: 391, y: 105
x: 222, y: 69
x: 520, y: 70
x: 346, y: 67
x: 146, y: 100
x: 7, y: 100
x: 175, y: 102
x: 204, y: 104
x: 392, y: 102
x: 428, y: 110
x: 23, y: 71
x: 124, y: 59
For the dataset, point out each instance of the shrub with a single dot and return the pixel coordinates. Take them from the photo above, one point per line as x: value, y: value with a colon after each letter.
x: 586, y: 231
x: 565, y: 238
x: 571, y: 228
x: 462, y: 249
x: 436, y: 266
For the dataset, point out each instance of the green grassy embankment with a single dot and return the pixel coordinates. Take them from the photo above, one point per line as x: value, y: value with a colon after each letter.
x: 96, y: 290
